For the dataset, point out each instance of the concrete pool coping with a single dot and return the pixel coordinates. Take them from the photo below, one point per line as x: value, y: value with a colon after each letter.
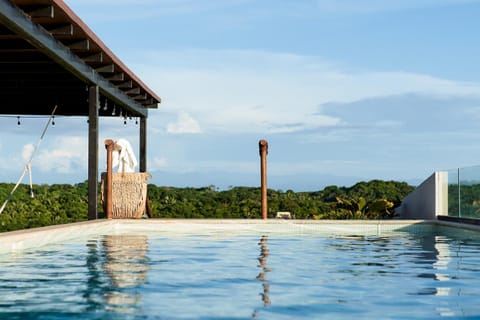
x: 20, y: 240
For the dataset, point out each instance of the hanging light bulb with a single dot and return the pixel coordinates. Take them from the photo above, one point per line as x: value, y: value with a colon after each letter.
x: 136, y: 121
x: 113, y: 111
x: 105, y: 106
x: 124, y: 121
x: 53, y: 121
x: 18, y: 120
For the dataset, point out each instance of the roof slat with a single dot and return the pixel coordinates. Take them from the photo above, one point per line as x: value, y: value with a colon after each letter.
x: 109, y: 68
x: 140, y: 97
x: 126, y: 85
x: 94, y: 58
x: 42, y: 12
x: 133, y: 91
x: 65, y: 30
x: 117, y: 77
x: 82, y: 45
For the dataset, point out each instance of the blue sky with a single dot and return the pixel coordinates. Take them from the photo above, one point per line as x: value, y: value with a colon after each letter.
x: 343, y: 90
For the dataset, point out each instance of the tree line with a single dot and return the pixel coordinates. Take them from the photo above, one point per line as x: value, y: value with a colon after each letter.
x: 65, y: 203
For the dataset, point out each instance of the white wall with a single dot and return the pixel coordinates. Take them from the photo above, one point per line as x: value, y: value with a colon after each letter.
x: 428, y: 200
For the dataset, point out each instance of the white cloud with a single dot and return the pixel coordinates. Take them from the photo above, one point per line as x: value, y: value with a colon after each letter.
x: 69, y: 155
x: 27, y: 152
x: 261, y: 92
x: 184, y: 124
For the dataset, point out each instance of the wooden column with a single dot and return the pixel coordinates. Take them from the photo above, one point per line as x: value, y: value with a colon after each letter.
x: 93, y: 103
x: 143, y: 144
x: 263, y: 149
x: 110, y: 145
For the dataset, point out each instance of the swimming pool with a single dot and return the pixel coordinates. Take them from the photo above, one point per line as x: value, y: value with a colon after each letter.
x: 232, y: 270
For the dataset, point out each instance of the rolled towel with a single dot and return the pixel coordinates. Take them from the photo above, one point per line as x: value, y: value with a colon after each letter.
x: 124, y: 157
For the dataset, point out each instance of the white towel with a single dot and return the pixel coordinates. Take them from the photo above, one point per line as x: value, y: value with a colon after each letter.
x: 124, y: 158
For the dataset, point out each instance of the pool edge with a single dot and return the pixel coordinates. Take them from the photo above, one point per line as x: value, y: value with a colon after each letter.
x: 19, y: 240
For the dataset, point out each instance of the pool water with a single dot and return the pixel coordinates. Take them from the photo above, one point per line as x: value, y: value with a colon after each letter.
x: 264, y: 276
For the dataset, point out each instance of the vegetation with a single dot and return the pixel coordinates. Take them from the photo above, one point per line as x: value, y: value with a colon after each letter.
x: 346, y: 208
x: 63, y: 203
x: 243, y: 202
x: 468, y: 196
x: 51, y: 204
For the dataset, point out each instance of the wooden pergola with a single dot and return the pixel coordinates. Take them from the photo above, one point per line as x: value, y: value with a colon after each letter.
x: 49, y: 57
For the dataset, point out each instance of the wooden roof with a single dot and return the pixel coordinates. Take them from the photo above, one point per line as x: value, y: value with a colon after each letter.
x: 49, y: 56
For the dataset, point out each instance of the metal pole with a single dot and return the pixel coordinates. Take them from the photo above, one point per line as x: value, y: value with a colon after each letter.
x: 459, y: 195
x: 263, y: 150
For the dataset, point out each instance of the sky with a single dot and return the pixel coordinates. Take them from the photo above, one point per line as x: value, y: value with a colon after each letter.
x: 343, y: 90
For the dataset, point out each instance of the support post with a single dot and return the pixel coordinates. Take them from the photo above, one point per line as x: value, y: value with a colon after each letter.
x: 93, y: 103
x: 109, y: 145
x: 143, y: 158
x: 143, y: 144
x: 263, y: 150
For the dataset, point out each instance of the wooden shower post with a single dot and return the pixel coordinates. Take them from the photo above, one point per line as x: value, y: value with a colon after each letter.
x: 109, y: 145
x: 263, y: 149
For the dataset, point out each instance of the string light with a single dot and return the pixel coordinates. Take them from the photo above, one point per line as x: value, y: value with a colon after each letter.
x: 113, y: 111
x: 20, y: 118
x: 105, y: 106
x: 125, y: 121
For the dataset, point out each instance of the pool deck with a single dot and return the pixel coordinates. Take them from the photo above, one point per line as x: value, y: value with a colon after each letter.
x: 16, y: 241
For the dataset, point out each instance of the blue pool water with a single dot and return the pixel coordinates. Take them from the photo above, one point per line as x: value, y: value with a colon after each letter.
x: 265, y: 276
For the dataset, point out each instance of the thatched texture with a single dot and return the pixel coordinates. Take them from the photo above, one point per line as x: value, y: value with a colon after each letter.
x: 129, y: 194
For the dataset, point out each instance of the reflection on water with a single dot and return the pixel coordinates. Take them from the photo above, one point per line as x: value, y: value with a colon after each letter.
x: 262, y: 259
x: 126, y: 260
x: 123, y: 258
x: 437, y: 253
x: 126, y: 265
x: 94, y: 290
x: 429, y: 257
